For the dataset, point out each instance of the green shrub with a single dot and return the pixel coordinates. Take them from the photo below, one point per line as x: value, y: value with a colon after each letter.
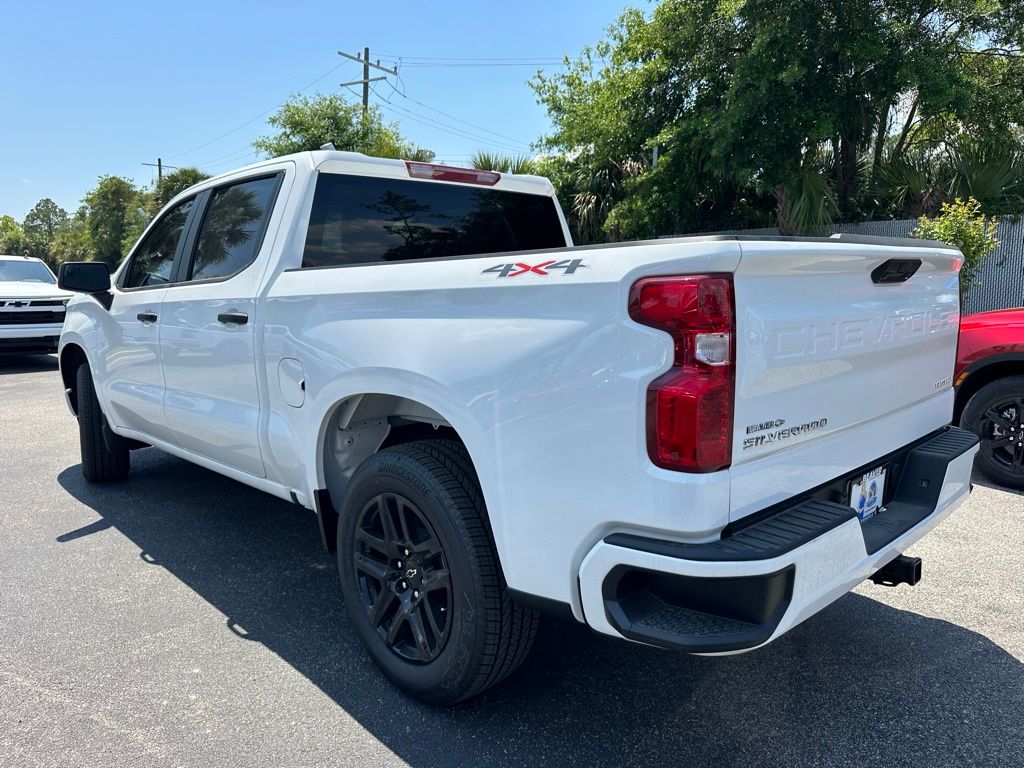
x: 963, y: 224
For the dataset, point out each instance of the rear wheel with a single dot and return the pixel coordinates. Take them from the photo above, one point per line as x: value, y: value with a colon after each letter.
x: 420, y: 575
x: 100, y: 464
x: 996, y: 415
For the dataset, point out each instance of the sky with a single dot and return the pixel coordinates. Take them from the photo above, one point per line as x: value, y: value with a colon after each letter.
x: 91, y: 89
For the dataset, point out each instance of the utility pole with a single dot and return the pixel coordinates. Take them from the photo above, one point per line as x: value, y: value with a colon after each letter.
x: 365, y: 82
x: 159, y: 165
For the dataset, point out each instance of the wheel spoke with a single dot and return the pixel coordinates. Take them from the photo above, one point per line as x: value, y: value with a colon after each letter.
x: 1018, y: 455
x: 435, y: 630
x: 419, y: 633
x: 435, y: 579
x: 403, y: 521
x: 372, y: 541
x: 371, y: 567
x: 396, y: 625
x: 381, y: 606
x: 431, y: 547
x: 386, y: 520
x: 997, y: 418
x: 1002, y: 440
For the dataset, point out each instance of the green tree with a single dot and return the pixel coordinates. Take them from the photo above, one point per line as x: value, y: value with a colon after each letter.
x: 44, y: 220
x: 73, y: 241
x: 113, y: 211
x: 175, y: 182
x: 308, y: 122
x: 41, y: 226
x: 12, y: 237
x: 962, y: 223
x: 775, y: 111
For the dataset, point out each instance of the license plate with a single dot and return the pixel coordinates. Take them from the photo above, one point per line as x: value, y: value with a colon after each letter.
x: 866, y: 493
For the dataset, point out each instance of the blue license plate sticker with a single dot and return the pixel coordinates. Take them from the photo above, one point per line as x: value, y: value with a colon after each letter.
x: 866, y: 493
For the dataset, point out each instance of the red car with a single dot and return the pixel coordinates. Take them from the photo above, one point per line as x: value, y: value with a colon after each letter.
x: 990, y: 391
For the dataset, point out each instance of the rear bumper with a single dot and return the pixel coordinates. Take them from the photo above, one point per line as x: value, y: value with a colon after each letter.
x: 760, y: 580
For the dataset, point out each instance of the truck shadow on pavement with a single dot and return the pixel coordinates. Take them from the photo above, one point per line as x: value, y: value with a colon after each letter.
x: 863, y: 683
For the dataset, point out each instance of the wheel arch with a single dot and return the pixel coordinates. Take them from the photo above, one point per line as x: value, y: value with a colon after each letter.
x: 983, y: 373
x: 72, y: 357
x: 359, y: 425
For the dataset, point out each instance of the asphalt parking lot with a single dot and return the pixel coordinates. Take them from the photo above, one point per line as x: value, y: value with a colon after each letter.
x: 183, y: 619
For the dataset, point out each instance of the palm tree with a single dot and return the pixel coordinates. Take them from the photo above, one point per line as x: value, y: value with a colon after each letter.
x: 486, y: 161
x: 990, y: 172
x: 807, y: 203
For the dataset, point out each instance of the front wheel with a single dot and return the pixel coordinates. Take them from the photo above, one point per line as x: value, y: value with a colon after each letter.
x: 100, y: 464
x: 420, y: 576
x: 996, y: 414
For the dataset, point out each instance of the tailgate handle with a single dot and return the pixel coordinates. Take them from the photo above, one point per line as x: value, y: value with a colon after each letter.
x: 895, y: 271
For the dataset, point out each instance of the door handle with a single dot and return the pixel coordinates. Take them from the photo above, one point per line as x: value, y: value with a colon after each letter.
x: 236, y: 318
x: 146, y: 317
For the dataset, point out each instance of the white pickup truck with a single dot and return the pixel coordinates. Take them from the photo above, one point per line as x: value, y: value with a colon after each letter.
x: 695, y: 443
x: 31, y: 306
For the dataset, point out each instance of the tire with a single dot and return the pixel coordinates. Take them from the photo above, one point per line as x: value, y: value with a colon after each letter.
x: 996, y: 414
x: 99, y: 463
x: 472, y: 635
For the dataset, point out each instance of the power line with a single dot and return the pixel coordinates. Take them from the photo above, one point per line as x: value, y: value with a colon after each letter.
x: 396, y: 57
x: 456, y: 119
x: 466, y: 65
x: 431, y: 122
x: 253, y: 120
x: 513, y: 145
x: 234, y: 161
x: 247, y: 150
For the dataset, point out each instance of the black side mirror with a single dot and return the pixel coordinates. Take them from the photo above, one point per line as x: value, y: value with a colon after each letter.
x: 84, y: 276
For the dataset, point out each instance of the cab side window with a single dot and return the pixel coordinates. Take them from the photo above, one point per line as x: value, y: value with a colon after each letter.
x: 233, y: 227
x: 153, y: 260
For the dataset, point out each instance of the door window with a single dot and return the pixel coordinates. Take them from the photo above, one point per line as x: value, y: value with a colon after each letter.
x: 153, y: 260
x: 233, y: 228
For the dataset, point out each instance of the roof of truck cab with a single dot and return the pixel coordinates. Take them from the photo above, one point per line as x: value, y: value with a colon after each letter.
x: 333, y: 161
x: 336, y: 161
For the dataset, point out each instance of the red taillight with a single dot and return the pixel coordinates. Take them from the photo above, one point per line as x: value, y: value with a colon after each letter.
x: 690, y: 408
x: 448, y: 173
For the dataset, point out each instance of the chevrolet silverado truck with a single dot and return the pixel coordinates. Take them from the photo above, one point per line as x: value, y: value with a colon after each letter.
x: 693, y: 443
x: 31, y: 306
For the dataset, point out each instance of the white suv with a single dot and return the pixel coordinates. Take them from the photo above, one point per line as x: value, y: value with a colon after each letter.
x: 31, y: 306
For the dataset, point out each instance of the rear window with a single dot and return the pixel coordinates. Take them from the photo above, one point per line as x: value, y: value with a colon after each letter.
x: 362, y: 220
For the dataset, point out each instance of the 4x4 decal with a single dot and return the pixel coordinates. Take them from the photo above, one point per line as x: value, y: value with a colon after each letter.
x: 544, y: 268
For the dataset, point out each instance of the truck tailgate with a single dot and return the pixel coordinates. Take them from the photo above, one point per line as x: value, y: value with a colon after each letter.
x: 823, y: 346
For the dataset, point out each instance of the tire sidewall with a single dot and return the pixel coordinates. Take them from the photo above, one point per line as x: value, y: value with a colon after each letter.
x: 395, y: 472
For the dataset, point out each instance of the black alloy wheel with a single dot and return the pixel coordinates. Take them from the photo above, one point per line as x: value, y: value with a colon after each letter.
x: 1002, y: 434
x: 403, y: 578
x: 420, y: 575
x: 996, y: 415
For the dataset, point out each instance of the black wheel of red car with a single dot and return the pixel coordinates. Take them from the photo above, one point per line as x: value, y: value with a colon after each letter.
x: 420, y: 575
x: 996, y: 414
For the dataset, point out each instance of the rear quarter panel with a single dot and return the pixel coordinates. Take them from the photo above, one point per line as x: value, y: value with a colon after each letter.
x: 990, y: 334
x: 544, y: 378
